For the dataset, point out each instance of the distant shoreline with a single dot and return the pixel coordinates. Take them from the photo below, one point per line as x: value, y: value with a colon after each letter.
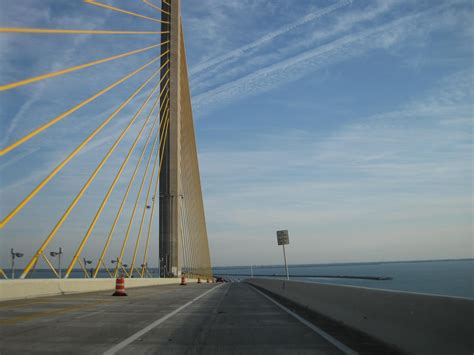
x: 372, y: 278
x: 342, y: 264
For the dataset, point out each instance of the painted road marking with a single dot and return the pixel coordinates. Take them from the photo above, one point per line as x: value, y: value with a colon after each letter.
x: 344, y: 348
x: 47, y: 313
x: 89, y: 314
x: 156, y: 323
x: 10, y: 304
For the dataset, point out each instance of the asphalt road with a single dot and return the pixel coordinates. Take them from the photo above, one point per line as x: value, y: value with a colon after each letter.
x: 194, y: 319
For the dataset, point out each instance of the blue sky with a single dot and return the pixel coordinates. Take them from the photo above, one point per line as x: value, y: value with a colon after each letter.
x: 347, y: 122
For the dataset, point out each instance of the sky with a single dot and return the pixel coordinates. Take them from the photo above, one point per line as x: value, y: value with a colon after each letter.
x: 349, y: 123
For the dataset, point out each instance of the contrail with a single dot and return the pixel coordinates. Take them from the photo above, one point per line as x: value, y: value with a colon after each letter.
x: 274, y: 75
x: 268, y: 37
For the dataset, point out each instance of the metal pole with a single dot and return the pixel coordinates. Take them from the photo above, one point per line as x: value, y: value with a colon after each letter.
x: 13, y: 264
x: 286, y: 265
x: 59, y: 260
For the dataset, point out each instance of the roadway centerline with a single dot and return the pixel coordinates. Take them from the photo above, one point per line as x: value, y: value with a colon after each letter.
x: 156, y: 323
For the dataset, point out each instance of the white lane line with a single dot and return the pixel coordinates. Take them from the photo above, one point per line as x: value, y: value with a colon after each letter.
x: 156, y: 323
x: 88, y: 314
x: 345, y: 349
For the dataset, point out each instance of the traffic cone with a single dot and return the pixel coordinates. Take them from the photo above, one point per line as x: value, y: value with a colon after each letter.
x: 183, y: 281
x: 199, y: 280
x: 119, y: 287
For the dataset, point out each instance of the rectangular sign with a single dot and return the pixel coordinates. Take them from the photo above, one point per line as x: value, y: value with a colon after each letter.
x: 282, y: 237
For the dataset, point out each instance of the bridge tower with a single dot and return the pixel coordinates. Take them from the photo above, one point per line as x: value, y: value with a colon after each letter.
x: 182, y: 232
x: 164, y: 173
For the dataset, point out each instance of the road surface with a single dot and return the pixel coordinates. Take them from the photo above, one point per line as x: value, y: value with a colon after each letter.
x: 231, y: 318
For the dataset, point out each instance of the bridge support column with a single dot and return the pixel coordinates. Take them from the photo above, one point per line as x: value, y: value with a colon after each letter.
x: 170, y: 194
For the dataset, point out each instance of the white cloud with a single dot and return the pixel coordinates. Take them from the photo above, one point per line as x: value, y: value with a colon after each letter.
x: 242, y: 51
x: 405, y: 170
x: 337, y: 50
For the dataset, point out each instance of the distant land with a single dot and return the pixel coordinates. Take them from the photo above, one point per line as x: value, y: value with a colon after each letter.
x: 345, y: 264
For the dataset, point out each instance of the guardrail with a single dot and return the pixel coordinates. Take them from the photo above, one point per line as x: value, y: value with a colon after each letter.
x: 414, y: 323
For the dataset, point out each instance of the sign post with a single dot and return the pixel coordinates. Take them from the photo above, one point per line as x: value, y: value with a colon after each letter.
x: 283, y: 239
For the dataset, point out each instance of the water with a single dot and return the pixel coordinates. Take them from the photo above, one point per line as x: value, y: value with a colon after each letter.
x: 441, y: 277
x: 75, y: 273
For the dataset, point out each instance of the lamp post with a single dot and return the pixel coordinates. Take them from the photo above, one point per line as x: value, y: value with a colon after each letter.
x: 119, y: 265
x: 14, y: 255
x: 85, y: 265
x: 144, y: 269
x: 115, y: 261
x: 58, y: 254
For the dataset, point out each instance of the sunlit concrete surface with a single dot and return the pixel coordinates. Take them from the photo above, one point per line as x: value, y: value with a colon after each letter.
x: 414, y: 323
x: 32, y: 288
x: 231, y: 319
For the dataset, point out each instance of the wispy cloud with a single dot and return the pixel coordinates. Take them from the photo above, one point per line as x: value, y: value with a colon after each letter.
x: 397, y: 167
x: 337, y: 50
x: 239, y: 52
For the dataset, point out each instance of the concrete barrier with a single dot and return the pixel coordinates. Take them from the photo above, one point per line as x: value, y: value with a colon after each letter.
x: 415, y: 323
x: 31, y: 288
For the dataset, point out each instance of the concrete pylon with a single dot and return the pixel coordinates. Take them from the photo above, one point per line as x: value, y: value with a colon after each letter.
x: 170, y: 194
x: 182, y: 225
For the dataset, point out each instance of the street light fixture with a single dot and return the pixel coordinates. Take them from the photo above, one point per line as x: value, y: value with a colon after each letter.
x: 14, y: 255
x: 144, y: 269
x: 58, y: 254
x: 85, y: 265
x: 120, y: 265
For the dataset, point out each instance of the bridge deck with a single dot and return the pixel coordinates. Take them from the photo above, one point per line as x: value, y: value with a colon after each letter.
x: 232, y: 318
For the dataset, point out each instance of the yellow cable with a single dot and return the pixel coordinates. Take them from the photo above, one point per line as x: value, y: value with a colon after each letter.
x: 73, y: 153
x: 145, y: 256
x: 91, y: 178
x: 123, y: 202
x: 50, y: 265
x: 130, y: 183
x: 155, y: 7
x: 114, y: 182
x: 134, y: 257
x: 127, y: 233
x: 107, y: 269
x: 96, y: 3
x: 78, y: 32
x: 86, y: 274
x: 78, y: 67
x: 75, y: 108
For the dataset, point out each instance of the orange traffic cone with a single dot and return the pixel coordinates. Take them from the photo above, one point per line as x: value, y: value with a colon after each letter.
x: 119, y: 287
x: 199, y: 280
x: 183, y: 281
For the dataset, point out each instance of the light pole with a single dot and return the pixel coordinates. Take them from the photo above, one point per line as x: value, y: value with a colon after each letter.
x: 85, y: 265
x: 58, y: 254
x: 14, y: 255
x: 283, y: 239
x: 115, y: 261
